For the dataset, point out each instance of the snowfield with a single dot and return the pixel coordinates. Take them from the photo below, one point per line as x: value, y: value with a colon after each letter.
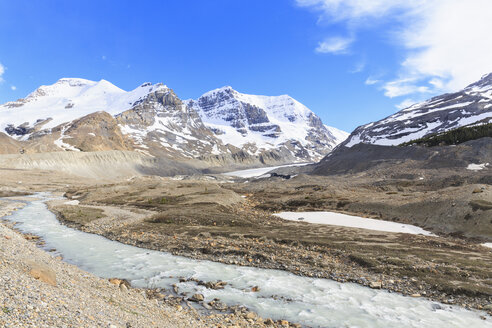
x: 344, y: 220
x: 252, y: 173
x: 69, y: 99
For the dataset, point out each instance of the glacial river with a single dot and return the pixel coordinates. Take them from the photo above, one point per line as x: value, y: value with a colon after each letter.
x: 309, y: 301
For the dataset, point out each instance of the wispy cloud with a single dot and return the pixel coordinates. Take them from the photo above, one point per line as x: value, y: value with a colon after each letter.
x: 441, y: 54
x: 371, y: 81
x: 358, y: 67
x: 2, y: 71
x: 403, y: 87
x: 407, y: 102
x: 334, y: 45
x: 13, y: 87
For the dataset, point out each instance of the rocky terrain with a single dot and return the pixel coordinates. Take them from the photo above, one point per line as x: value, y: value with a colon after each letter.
x: 472, y: 105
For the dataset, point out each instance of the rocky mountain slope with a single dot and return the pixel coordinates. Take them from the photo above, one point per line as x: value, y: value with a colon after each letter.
x: 258, y: 123
x: 442, y: 113
x: 222, y: 125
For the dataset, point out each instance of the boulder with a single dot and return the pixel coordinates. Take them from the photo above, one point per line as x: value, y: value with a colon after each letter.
x: 196, y: 298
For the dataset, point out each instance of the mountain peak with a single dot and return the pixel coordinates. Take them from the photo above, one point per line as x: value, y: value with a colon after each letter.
x: 225, y: 89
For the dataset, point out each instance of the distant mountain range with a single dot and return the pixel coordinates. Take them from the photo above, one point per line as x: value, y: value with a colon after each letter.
x: 472, y: 105
x: 81, y: 115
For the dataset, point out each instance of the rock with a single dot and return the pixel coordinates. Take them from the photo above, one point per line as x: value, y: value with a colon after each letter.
x: 196, y: 298
x: 477, y: 191
x: 415, y: 295
x: 375, y: 284
x: 115, y: 281
x: 123, y: 288
x: 283, y: 323
x: 269, y: 322
x: 488, y: 307
x: 42, y: 272
x: 250, y: 315
x: 255, y: 289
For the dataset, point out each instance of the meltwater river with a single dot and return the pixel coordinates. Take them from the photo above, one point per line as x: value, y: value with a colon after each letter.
x: 309, y: 301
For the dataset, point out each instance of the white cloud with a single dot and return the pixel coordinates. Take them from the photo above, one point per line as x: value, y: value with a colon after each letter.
x: 358, y: 67
x: 352, y: 10
x: 13, y: 87
x: 447, y: 43
x: 371, y: 81
x: 2, y: 70
x: 335, y: 45
x: 403, y: 87
x: 406, y: 103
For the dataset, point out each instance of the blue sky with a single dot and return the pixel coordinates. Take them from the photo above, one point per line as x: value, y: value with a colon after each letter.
x: 350, y: 61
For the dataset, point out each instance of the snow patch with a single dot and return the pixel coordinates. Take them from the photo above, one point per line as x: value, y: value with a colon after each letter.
x: 477, y: 167
x: 251, y: 173
x: 344, y: 220
x: 59, y: 142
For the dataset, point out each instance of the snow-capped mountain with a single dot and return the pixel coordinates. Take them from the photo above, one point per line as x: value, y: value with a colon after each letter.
x: 442, y: 113
x: 78, y: 114
x: 258, y: 123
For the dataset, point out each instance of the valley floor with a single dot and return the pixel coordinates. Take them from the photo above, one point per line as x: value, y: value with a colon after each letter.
x: 232, y: 222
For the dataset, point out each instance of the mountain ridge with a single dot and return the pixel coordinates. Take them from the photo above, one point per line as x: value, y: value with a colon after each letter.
x: 438, y: 114
x: 155, y: 121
